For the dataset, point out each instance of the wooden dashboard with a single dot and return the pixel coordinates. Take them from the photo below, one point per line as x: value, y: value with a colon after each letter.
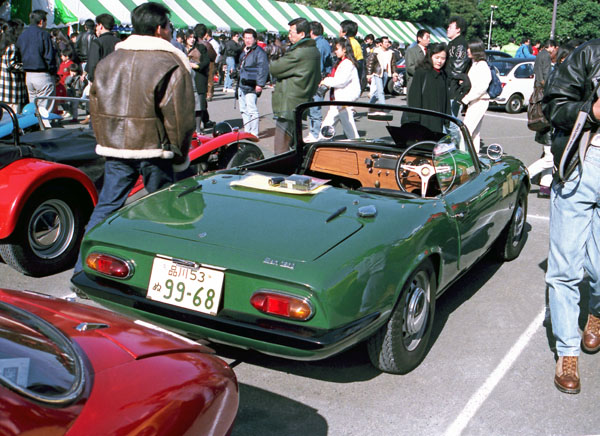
x: 370, y: 169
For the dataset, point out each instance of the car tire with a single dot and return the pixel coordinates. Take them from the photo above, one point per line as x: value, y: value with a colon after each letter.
x: 49, y: 231
x: 246, y: 153
x: 401, y: 344
x: 512, y: 239
x: 514, y: 105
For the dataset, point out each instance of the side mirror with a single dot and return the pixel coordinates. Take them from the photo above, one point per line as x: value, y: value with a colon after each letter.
x: 328, y: 132
x: 494, y: 152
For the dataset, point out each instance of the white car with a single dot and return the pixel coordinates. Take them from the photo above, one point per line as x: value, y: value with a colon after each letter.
x: 517, y: 79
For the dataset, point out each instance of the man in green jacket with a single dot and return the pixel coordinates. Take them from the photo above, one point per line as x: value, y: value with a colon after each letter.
x: 298, y: 73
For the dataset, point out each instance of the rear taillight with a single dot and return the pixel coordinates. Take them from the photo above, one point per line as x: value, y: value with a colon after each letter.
x: 502, y: 84
x: 287, y: 306
x: 109, y: 265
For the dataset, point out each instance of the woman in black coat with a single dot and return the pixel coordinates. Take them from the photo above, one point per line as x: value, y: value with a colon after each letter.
x: 429, y: 89
x: 198, y: 56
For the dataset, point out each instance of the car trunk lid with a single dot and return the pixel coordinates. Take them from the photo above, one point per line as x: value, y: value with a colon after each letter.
x: 294, y: 227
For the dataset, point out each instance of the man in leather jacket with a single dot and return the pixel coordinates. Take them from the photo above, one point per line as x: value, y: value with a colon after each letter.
x: 574, y: 213
x: 142, y: 108
x: 84, y: 40
x: 457, y: 62
x: 103, y: 45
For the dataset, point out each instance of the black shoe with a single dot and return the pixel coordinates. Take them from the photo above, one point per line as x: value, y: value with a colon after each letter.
x: 209, y: 125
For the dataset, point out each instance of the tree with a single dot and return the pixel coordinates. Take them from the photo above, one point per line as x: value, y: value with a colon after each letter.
x: 469, y: 11
x: 533, y: 19
x: 578, y: 19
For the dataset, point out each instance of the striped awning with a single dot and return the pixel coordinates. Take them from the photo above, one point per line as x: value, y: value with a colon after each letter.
x: 236, y: 15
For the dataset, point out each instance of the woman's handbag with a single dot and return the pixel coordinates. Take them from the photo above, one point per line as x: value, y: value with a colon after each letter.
x: 536, y: 120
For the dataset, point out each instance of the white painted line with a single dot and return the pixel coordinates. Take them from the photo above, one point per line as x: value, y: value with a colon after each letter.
x: 506, y: 138
x: 539, y: 217
x: 70, y: 296
x: 487, y: 114
x: 465, y: 416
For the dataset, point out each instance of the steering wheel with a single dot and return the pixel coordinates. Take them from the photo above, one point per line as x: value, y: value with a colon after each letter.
x: 423, y: 169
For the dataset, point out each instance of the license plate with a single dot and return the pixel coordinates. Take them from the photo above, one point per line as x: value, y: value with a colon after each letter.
x: 194, y: 288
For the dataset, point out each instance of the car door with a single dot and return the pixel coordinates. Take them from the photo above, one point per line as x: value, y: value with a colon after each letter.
x: 469, y: 197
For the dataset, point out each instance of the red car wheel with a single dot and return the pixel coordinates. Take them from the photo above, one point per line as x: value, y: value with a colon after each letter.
x: 47, y: 237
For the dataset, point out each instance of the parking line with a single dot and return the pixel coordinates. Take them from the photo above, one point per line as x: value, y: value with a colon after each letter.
x: 465, y: 416
x: 487, y: 114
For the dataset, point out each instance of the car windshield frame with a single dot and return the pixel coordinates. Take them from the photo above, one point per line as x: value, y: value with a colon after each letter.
x: 302, y: 108
x: 63, y: 343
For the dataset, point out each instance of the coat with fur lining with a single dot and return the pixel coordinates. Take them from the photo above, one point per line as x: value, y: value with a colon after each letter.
x: 142, y: 101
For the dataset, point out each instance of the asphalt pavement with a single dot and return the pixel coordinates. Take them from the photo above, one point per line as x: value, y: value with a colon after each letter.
x: 489, y: 369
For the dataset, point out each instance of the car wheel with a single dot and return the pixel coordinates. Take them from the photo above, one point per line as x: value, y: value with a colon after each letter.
x: 401, y: 344
x: 511, y: 241
x: 514, y: 105
x: 246, y: 153
x: 47, y: 237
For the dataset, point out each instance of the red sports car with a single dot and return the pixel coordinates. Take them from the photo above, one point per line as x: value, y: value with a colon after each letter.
x: 68, y: 368
x: 48, y: 188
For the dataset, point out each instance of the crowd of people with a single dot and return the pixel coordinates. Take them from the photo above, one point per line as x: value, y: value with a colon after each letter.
x: 451, y: 78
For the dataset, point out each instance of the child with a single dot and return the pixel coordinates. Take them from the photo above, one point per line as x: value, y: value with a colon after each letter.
x: 345, y: 83
x: 66, y: 56
x: 75, y: 84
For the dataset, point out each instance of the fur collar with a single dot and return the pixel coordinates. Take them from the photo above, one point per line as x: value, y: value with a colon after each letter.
x: 152, y: 43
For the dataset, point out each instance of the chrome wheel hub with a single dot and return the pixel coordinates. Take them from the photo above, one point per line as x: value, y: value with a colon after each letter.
x: 416, y: 313
x: 518, y: 224
x: 51, y: 229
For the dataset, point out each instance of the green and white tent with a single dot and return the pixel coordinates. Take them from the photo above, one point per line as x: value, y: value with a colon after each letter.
x: 229, y: 15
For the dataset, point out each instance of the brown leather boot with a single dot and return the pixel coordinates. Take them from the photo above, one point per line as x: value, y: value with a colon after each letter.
x: 591, y: 334
x: 566, y: 378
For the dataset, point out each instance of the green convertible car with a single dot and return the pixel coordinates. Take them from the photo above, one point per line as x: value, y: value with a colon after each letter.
x: 334, y: 242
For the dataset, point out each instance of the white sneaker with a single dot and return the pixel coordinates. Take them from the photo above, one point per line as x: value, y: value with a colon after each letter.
x: 310, y: 138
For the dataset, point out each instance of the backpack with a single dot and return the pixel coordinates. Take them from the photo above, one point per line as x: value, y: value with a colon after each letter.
x: 536, y: 120
x: 495, y: 88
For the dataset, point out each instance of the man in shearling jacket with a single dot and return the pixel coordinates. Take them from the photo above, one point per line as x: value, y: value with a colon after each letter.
x: 142, y: 108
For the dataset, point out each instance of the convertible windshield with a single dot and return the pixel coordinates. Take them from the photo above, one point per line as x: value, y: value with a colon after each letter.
x: 384, y: 149
x: 36, y: 359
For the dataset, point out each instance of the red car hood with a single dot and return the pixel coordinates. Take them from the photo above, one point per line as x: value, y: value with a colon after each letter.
x: 106, y: 347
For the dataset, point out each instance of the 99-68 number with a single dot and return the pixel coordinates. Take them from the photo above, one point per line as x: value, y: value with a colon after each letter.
x: 179, y: 287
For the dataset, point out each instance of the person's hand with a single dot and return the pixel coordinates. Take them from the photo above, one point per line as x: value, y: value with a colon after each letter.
x: 258, y: 89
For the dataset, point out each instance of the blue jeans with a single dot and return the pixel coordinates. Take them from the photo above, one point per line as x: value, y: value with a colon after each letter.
x: 453, y: 128
x: 379, y: 96
x: 574, y: 249
x: 120, y: 176
x: 249, y: 111
x: 230, y: 61
x: 315, y: 117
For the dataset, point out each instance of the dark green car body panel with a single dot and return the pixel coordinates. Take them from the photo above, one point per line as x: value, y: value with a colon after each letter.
x: 351, y: 268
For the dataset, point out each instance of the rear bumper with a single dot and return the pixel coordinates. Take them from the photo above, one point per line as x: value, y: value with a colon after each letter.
x: 264, y: 334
